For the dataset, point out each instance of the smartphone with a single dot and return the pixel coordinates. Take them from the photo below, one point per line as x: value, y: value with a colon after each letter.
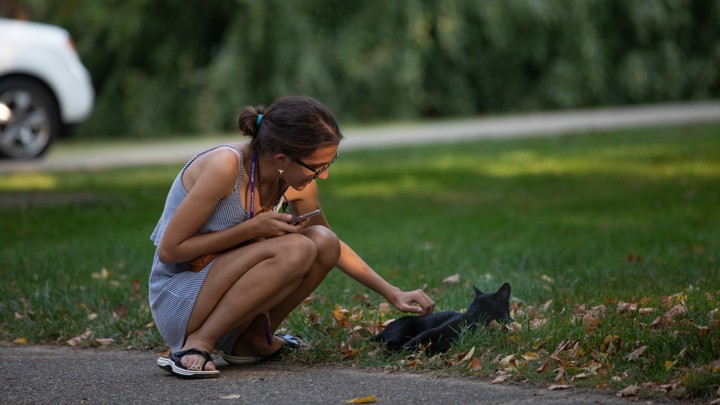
x: 302, y: 217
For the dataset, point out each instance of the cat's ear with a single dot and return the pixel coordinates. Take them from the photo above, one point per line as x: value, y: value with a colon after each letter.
x: 503, y: 294
x: 477, y: 292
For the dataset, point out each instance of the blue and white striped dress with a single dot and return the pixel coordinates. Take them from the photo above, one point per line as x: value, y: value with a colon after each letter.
x: 173, y: 287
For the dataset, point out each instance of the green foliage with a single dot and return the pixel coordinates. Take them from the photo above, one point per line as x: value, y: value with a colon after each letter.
x: 164, y: 67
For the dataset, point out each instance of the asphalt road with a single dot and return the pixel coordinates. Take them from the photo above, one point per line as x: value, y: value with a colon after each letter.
x: 65, y: 375
x: 538, y: 124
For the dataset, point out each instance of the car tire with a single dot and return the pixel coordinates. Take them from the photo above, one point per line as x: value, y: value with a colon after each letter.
x: 29, y: 118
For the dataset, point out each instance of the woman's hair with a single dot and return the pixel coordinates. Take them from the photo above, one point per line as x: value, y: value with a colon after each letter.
x: 293, y: 125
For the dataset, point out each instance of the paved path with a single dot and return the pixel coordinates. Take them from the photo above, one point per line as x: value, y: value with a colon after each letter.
x: 65, y: 375
x: 539, y: 124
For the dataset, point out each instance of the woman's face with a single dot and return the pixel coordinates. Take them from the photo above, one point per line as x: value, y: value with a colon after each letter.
x: 300, y: 172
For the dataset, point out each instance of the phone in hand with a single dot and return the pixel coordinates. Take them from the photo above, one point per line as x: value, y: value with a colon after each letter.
x: 300, y: 218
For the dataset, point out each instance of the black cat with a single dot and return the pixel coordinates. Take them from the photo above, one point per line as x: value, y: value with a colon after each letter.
x: 437, y: 331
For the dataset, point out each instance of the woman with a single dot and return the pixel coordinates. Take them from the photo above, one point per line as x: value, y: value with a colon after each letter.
x: 229, y: 267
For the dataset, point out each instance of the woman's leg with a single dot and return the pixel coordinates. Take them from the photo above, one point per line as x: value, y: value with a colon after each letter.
x: 242, y: 284
x: 275, y: 275
x: 253, y: 340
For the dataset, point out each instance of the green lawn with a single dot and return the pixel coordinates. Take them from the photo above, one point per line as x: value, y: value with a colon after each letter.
x: 580, y: 226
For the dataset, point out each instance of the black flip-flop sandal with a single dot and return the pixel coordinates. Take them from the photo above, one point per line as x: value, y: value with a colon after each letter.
x: 174, y: 366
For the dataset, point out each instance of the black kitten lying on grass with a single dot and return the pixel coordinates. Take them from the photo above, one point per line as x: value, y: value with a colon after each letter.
x: 437, y: 331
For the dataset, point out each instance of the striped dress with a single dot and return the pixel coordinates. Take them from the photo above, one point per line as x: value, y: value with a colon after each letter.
x: 173, y: 287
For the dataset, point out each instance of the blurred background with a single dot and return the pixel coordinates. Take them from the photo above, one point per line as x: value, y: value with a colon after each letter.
x: 164, y: 67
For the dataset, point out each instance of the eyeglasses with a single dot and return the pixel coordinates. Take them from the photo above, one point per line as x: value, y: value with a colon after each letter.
x: 317, y: 171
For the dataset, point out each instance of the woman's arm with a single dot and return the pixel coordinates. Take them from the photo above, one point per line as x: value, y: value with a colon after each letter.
x: 408, y: 301
x: 212, y: 180
x: 353, y: 265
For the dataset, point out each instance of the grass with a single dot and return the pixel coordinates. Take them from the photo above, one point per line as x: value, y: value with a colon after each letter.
x: 581, y: 226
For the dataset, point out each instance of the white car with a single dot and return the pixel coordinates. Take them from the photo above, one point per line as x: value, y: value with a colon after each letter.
x: 44, y: 87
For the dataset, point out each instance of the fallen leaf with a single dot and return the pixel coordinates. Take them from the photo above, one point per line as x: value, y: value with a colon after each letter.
x: 340, y: 315
x: 636, y: 354
x: 508, y: 360
x: 384, y: 308
x: 231, y: 396
x: 629, y: 391
x: 454, y: 279
x: 544, y: 368
x: 475, y: 364
x: 669, y: 364
x: 556, y: 387
x: 20, y: 341
x: 18, y: 317
x: 547, y: 279
x: 674, y: 312
x: 582, y: 376
x: 500, y: 379
x: 79, y: 339
x: 530, y: 356
x: 104, y: 341
x: 468, y: 356
x: 102, y: 275
x: 560, y: 375
x: 362, y: 400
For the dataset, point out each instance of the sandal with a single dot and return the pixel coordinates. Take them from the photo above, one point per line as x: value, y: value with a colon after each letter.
x: 290, y: 343
x: 173, y: 365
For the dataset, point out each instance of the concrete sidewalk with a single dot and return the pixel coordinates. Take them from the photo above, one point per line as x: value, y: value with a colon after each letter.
x: 537, y: 124
x: 65, y: 375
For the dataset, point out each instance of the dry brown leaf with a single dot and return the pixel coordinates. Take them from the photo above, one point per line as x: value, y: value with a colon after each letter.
x: 582, y: 376
x: 20, y: 341
x: 560, y: 377
x: 18, y: 317
x: 508, y: 360
x: 475, y: 364
x: 454, y: 279
x: 500, y: 379
x: 546, y: 305
x: 591, y: 323
x: 629, y: 391
x: 231, y: 396
x: 674, y: 312
x: 340, y: 315
x: 384, y: 308
x: 636, y: 354
x: 544, y: 368
x: 646, y: 311
x: 104, y: 341
x: 547, y: 279
x: 79, y: 339
x: 104, y: 274
x: 468, y: 356
x: 370, y: 399
x: 530, y: 356
x: 556, y: 387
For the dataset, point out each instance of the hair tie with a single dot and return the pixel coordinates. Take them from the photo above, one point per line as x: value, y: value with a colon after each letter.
x: 259, y: 120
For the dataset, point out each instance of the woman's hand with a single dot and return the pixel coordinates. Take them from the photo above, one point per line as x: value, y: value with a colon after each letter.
x: 414, y: 301
x: 271, y: 224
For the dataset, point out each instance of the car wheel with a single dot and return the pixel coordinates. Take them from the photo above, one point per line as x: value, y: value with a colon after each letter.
x: 29, y: 119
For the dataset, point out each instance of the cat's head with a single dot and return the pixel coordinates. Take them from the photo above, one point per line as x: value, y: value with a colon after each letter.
x: 492, y: 306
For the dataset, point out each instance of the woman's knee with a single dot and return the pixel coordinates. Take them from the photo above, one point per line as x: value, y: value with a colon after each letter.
x: 327, y: 244
x: 297, y: 251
